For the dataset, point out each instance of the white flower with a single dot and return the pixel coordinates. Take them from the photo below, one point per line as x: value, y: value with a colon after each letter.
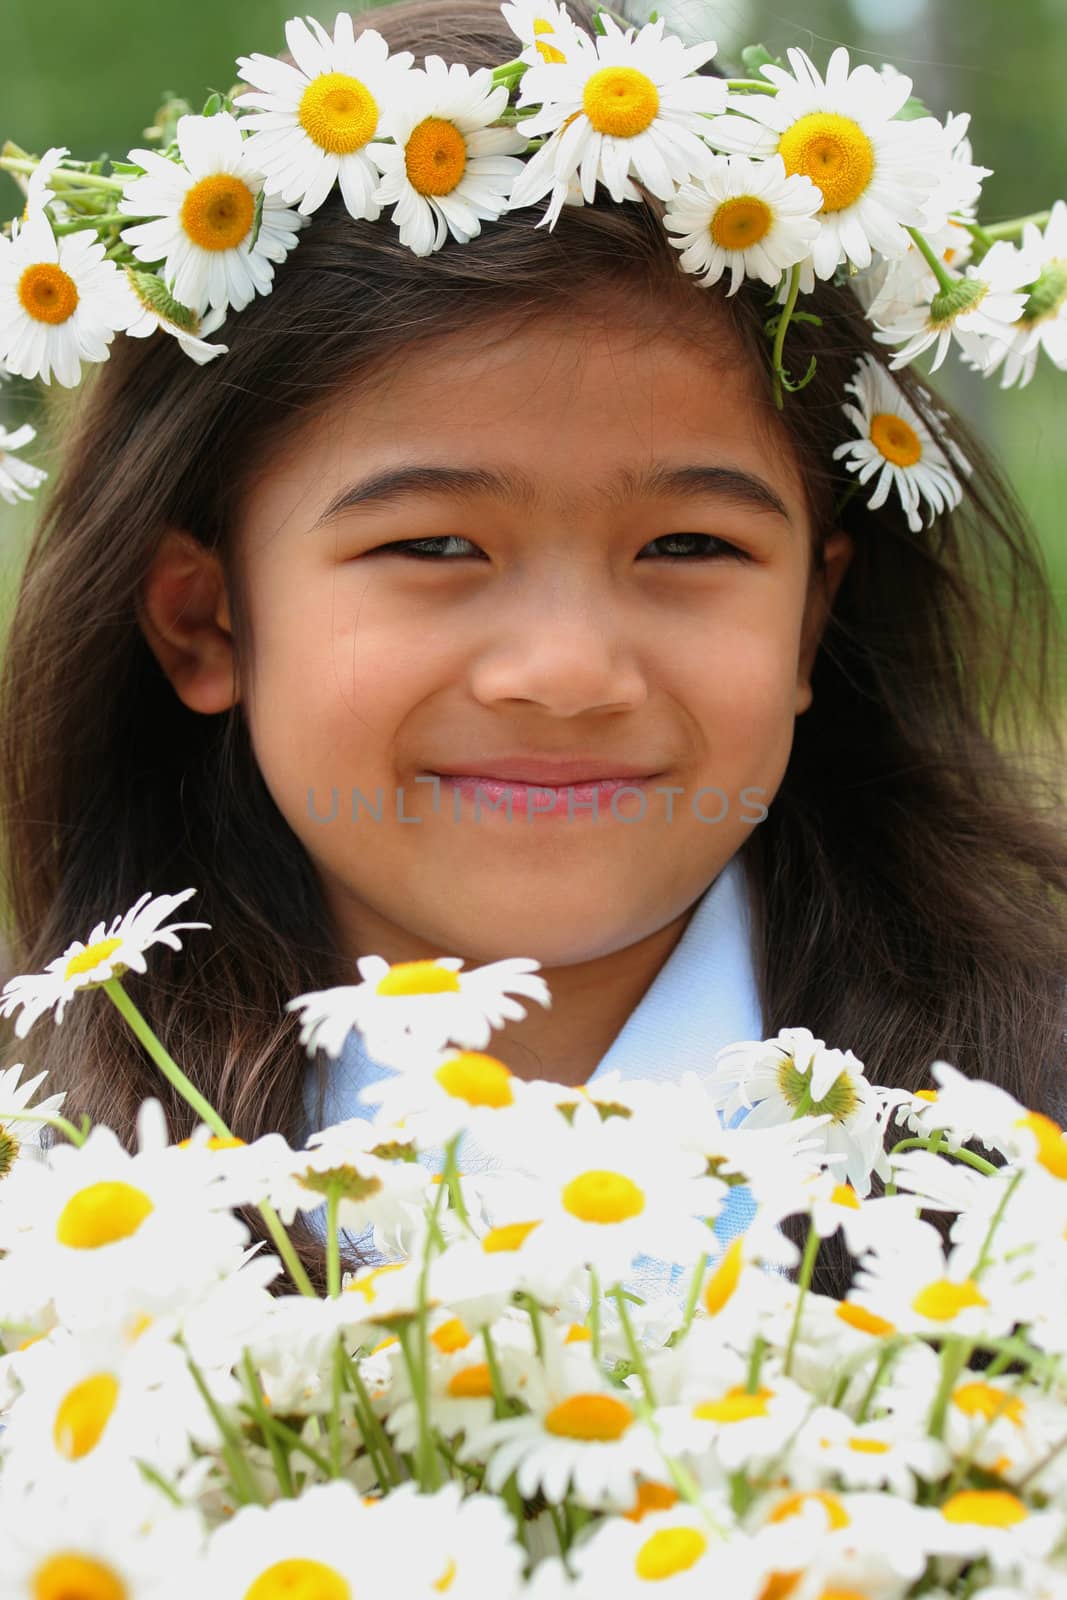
x: 907, y: 1280
x: 627, y: 105
x: 967, y: 1109
x: 447, y: 170
x: 673, y: 1555
x: 472, y: 1539
x: 18, y: 479
x: 412, y: 1009
x: 794, y: 1074
x: 831, y: 1445
x: 205, y: 211
x: 896, y: 445
x: 161, y: 312
x: 466, y: 1092
x: 387, y: 1195
x: 315, y: 122
x: 583, y: 1435
x: 960, y: 185
x: 108, y: 953
x: 1042, y: 324
x: 745, y: 216
x: 101, y: 1231
x: 874, y: 171
x: 61, y: 302
x: 544, y: 29
x: 18, y: 1134
x: 979, y: 310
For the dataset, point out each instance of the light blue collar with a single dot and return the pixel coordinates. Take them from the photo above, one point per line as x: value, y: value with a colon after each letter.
x: 705, y: 996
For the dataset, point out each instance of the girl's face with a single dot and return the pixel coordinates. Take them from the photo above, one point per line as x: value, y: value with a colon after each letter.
x: 617, y: 575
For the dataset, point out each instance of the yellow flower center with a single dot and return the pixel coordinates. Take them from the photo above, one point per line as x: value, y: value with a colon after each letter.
x: 984, y: 1400
x: 651, y: 1496
x: 893, y: 437
x: 839, y: 1101
x: 1051, y: 1144
x: 868, y: 1447
x: 602, y: 1197
x: 367, y: 1283
x: 862, y: 1320
x: 47, y: 293
x: 987, y: 1508
x: 845, y: 1195
x: 577, y: 1333
x: 83, y: 1414
x: 68, y: 1576
x: 511, y: 1236
x: 102, y: 1214
x: 834, y: 152
x: 435, y: 157
x: 478, y: 1079
x: 338, y: 113
x: 450, y: 1336
x: 471, y: 1383
x: 741, y: 222
x: 926, y: 1094
x: 942, y: 1300
x: 620, y: 101
x: 793, y: 1504
x: 218, y: 212
x: 299, y: 1579
x: 589, y: 1416
x: 418, y: 977
x: 547, y: 52
x: 447, y: 1578
x: 214, y: 1143
x: 780, y: 1585
x: 669, y: 1551
x: 736, y: 1405
x: 92, y: 955
x: 724, y: 1280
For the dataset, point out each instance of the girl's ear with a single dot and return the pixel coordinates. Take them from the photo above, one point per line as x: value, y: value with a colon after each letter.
x: 837, y: 553
x: 184, y: 613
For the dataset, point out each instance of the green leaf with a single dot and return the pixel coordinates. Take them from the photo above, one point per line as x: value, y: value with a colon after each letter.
x: 211, y: 105
x: 755, y: 56
x: 257, y: 220
x: 597, y: 23
x: 653, y: 16
x: 912, y: 110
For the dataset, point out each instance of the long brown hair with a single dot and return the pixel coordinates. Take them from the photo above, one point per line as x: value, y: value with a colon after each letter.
x: 910, y: 879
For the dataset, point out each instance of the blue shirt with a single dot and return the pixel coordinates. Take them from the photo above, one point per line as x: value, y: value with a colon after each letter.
x: 704, y: 996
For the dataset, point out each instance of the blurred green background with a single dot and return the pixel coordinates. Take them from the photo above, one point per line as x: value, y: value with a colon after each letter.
x: 92, y: 76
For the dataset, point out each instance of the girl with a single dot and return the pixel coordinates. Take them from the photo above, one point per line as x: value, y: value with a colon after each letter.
x: 524, y: 509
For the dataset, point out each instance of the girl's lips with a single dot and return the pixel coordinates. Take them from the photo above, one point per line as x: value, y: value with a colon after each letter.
x: 540, y: 799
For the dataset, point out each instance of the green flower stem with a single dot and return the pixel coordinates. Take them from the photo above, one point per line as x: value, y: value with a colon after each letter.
x: 1010, y: 230
x: 241, y: 1476
x: 886, y: 1357
x: 750, y: 86
x: 776, y: 357
x: 107, y: 219
x: 594, y: 1312
x: 337, y: 1385
x: 158, y: 1481
x: 333, y: 1242
x: 425, y: 1455
x: 75, y: 1135
x: 755, y: 1364
x: 265, y: 1423
x: 533, y: 1311
x: 954, y: 1358
x: 372, y: 1427
x: 985, y: 1255
x: 945, y: 279
x: 693, y: 1296
x: 450, y: 1180
x: 968, y: 1158
x: 807, y: 1267
x: 63, y: 177
x: 510, y: 1491
x: 637, y: 1355
x: 207, y: 1114
x: 299, y: 1445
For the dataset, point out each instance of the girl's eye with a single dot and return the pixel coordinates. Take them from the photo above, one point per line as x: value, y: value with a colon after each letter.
x: 706, y: 548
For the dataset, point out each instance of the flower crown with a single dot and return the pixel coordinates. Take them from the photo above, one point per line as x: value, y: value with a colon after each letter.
x: 784, y: 175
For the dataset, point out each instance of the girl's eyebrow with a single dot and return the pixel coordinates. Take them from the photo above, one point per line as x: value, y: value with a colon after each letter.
x: 394, y: 484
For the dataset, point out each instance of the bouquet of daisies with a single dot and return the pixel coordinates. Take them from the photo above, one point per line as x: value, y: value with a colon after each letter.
x: 578, y: 1352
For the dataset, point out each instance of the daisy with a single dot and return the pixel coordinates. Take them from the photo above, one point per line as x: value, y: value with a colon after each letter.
x: 960, y: 186
x: 913, y: 1287
x: 412, y: 1009
x: 896, y: 444
x: 160, y: 310
x: 744, y: 216
x: 544, y: 29
x: 472, y: 1538
x: 583, y: 1436
x: 980, y: 310
x: 1042, y: 324
x: 469, y: 1092
x: 795, y: 1075
x: 18, y: 1135
x: 627, y: 104
x: 671, y: 1554
x: 386, y: 1195
x: 315, y: 122
x: 447, y: 170
x: 18, y: 479
x: 460, y: 1395
x: 865, y: 1455
x: 61, y: 302
x: 108, y: 954
x: 205, y: 209
x: 874, y: 171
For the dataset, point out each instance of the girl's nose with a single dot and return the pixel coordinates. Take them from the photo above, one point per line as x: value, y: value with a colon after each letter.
x: 562, y: 650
